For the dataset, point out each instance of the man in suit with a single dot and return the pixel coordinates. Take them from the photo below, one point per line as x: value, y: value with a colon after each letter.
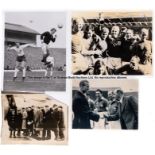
x: 81, y: 109
x: 112, y: 116
x: 30, y: 121
x: 128, y: 110
x: 57, y: 125
x: 46, y: 123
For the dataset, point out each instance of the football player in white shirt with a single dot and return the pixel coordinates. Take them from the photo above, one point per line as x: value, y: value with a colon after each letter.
x: 20, y: 58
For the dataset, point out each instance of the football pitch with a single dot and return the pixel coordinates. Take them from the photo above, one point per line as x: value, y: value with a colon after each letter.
x: 34, y: 82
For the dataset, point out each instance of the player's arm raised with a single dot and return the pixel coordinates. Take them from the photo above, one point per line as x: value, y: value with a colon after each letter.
x: 28, y: 45
x: 10, y: 48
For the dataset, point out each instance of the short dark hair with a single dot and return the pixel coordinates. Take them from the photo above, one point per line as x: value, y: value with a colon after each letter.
x: 82, y: 83
x: 99, y: 90
x: 53, y: 29
x: 55, y: 105
x: 119, y: 91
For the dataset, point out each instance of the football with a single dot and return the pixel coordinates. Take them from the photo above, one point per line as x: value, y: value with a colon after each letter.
x: 60, y: 26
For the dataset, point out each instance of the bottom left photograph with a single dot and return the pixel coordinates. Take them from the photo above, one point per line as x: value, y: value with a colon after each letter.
x: 33, y: 119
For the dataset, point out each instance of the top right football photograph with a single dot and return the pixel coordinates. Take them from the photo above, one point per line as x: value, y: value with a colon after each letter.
x: 111, y: 43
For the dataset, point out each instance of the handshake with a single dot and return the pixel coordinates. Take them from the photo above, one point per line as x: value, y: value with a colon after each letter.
x: 105, y: 116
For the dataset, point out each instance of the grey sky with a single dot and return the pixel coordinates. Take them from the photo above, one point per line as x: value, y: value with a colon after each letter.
x: 26, y: 100
x: 41, y: 22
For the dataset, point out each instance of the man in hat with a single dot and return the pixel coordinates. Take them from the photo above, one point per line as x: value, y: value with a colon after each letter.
x: 46, y: 123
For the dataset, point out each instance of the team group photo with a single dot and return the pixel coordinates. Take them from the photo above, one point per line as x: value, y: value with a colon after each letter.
x: 111, y: 43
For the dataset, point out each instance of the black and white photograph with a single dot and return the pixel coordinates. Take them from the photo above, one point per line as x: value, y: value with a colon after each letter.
x: 105, y: 104
x: 111, y: 43
x: 34, y: 119
x: 35, y: 51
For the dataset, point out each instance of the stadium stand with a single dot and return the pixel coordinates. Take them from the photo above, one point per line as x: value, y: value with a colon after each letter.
x: 133, y: 22
x: 19, y: 33
x: 34, y: 56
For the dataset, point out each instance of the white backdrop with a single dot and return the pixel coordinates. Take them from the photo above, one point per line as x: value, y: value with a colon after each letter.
x: 90, y: 141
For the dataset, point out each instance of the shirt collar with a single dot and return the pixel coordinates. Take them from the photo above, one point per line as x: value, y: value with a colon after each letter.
x: 121, y: 100
x: 83, y: 93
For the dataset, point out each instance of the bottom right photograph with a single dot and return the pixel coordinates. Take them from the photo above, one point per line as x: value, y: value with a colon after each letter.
x: 105, y: 104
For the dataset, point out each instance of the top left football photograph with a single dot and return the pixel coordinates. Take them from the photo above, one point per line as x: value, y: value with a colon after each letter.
x: 34, y: 51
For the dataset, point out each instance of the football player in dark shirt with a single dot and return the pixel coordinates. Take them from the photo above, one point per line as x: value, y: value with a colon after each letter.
x: 114, y: 42
x: 46, y: 38
x: 128, y: 44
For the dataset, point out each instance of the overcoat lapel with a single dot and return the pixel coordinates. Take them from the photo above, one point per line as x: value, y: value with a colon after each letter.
x: 124, y: 102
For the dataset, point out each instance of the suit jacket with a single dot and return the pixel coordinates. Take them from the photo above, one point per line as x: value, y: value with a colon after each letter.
x: 82, y: 112
x: 113, y: 111
x: 47, y: 117
x: 38, y: 118
x: 129, y: 113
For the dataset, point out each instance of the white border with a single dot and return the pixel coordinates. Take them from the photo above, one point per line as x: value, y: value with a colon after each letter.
x: 92, y: 142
